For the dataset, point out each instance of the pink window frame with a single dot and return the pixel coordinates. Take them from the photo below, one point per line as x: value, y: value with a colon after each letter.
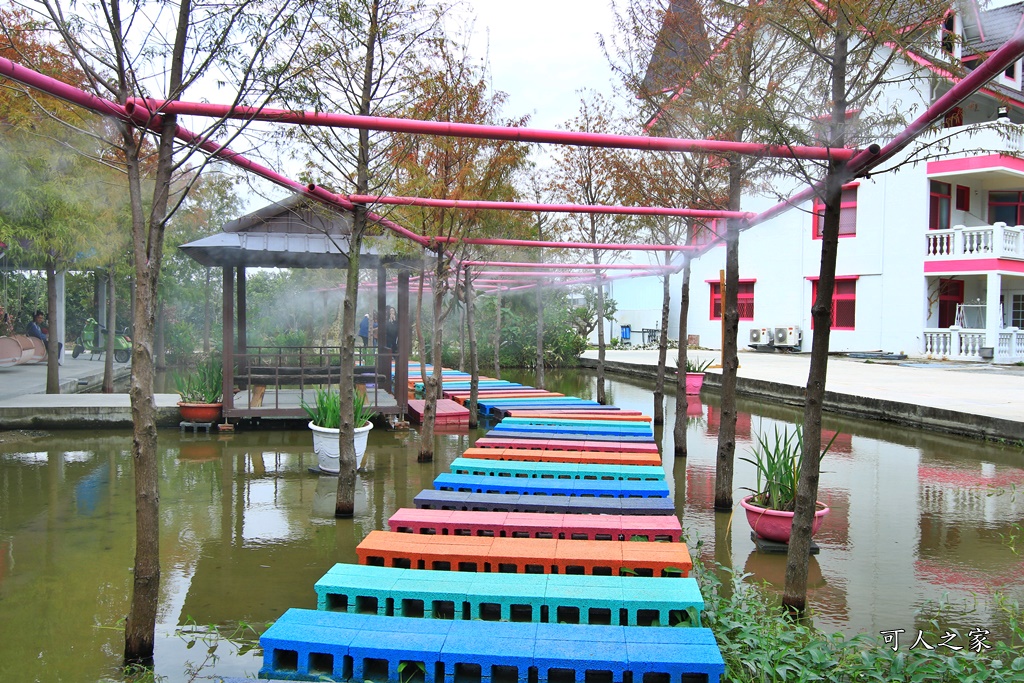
x: 818, y: 208
x: 836, y: 297
x: 740, y: 296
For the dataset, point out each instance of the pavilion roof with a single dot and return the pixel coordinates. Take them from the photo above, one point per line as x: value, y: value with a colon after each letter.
x: 294, y: 233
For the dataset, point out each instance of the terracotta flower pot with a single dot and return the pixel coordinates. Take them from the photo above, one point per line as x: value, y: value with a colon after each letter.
x: 775, y: 525
x: 327, y: 447
x: 200, y: 412
x: 694, y: 381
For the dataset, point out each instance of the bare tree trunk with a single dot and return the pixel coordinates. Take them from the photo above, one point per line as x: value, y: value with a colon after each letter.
x: 111, y: 322
x: 679, y: 431
x: 659, y: 381
x: 52, y: 368
x: 207, y: 315
x: 420, y: 342
x: 794, y: 595
x: 601, y: 397
x: 497, y: 335
x: 730, y: 363
x: 474, y: 364
x: 344, y: 505
x: 432, y: 385
x: 540, y: 334
x: 463, y: 321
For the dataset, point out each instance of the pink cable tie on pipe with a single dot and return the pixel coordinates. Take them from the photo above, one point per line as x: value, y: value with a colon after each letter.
x: 478, y: 131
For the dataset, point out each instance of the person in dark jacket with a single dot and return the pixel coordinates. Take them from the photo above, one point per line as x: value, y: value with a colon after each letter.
x: 35, y: 328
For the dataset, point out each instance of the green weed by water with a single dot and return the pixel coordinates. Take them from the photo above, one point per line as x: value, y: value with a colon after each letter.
x: 761, y: 643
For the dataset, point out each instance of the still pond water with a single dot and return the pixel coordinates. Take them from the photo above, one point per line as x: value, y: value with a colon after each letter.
x: 918, y: 521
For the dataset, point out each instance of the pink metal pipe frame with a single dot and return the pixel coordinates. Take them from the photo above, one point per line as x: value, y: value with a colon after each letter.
x: 869, y: 158
x: 564, y: 245
x: 472, y: 130
x: 583, y: 266
x: 549, y: 208
x: 130, y: 113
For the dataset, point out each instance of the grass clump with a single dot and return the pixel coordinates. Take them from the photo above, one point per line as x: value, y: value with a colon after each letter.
x: 326, y: 409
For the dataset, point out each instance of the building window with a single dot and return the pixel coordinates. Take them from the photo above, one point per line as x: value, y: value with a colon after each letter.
x: 847, y: 214
x: 1017, y: 311
x: 844, y: 302
x: 938, y: 207
x: 1011, y: 72
x: 949, y: 34
x: 953, y: 118
x: 1006, y: 207
x: 963, y: 198
x: 744, y: 300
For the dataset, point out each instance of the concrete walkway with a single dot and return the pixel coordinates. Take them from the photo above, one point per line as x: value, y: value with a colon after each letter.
x: 970, y: 399
x: 25, y: 404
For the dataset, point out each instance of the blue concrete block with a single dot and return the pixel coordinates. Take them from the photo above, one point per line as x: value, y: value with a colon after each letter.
x: 696, y: 655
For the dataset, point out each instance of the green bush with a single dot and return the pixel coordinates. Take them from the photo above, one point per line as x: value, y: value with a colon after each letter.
x: 761, y: 643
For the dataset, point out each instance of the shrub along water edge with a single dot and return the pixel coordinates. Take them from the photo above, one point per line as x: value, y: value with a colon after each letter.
x: 761, y: 643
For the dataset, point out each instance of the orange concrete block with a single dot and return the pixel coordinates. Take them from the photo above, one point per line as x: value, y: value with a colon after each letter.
x: 653, y: 559
x: 584, y: 557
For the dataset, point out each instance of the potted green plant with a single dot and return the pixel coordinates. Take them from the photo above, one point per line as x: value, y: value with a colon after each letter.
x: 325, y: 420
x: 695, y: 374
x: 200, y: 388
x: 777, y: 459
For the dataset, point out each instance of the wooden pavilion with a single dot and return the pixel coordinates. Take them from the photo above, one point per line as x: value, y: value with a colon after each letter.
x: 272, y: 381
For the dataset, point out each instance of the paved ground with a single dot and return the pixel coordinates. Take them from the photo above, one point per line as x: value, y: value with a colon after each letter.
x: 77, y: 374
x: 24, y: 402
x: 972, y: 388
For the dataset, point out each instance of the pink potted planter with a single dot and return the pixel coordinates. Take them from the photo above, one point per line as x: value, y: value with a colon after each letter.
x: 694, y: 381
x: 775, y: 525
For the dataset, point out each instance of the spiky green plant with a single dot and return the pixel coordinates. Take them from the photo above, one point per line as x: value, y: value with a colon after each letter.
x: 777, y: 459
x: 696, y: 365
x: 202, y: 384
x: 326, y: 409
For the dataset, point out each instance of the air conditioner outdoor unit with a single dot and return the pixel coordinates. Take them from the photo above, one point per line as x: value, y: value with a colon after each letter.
x: 787, y: 336
x: 760, y: 335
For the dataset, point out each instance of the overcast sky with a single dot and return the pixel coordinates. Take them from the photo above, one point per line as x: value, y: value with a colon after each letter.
x: 542, y: 52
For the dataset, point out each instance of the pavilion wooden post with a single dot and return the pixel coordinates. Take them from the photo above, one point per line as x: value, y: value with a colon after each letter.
x: 383, y: 379
x: 404, y: 343
x: 240, y: 337
x: 228, y: 344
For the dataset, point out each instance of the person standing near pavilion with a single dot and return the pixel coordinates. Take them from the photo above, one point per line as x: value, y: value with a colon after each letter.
x: 364, y: 329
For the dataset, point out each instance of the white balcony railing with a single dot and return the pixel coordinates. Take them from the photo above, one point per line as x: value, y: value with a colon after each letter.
x: 987, y: 241
x: 960, y: 344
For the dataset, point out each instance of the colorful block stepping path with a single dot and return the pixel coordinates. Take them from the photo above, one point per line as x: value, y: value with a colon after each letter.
x: 520, y: 566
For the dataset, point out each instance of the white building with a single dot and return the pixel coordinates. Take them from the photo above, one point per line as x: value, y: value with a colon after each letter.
x: 931, y: 259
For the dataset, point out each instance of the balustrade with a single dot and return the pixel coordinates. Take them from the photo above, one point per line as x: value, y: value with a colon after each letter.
x: 957, y: 343
x: 999, y: 240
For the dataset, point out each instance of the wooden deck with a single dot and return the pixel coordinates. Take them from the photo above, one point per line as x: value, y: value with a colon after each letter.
x: 287, y: 403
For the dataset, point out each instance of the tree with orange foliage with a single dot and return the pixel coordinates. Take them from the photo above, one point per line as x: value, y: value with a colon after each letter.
x: 450, y: 87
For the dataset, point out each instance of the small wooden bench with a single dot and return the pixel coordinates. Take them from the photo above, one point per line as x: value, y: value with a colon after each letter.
x: 311, y: 645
